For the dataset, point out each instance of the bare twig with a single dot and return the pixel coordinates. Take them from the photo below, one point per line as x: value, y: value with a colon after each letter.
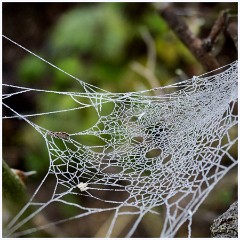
x: 215, y: 31
x: 222, y: 23
x: 23, y: 175
x: 194, y: 44
x: 148, y: 71
x: 152, y: 56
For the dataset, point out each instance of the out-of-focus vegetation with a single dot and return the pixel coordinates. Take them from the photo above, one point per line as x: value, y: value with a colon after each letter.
x: 97, y: 43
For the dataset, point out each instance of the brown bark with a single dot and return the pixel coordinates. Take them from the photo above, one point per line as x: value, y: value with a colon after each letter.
x: 194, y: 44
x: 226, y: 226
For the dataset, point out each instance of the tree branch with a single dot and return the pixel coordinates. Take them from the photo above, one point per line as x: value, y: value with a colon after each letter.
x: 194, y: 44
x: 215, y: 31
x: 226, y: 226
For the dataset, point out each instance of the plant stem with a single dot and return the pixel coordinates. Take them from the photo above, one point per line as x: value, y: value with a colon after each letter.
x: 13, y: 190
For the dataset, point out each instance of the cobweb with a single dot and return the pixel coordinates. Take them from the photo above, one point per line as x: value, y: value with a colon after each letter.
x: 159, y: 154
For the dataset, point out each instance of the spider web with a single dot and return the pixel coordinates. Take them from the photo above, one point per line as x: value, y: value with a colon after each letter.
x: 154, y: 153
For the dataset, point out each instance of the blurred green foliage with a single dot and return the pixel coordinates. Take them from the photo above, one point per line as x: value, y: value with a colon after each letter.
x: 99, y: 30
x: 31, y: 69
x: 97, y: 42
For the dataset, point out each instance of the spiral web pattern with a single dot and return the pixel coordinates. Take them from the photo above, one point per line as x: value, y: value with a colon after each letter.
x: 153, y: 152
